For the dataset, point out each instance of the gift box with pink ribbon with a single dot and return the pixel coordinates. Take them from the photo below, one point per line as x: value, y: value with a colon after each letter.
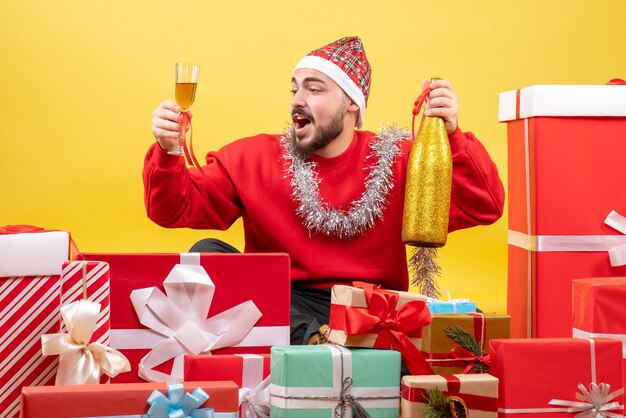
x: 31, y: 260
x: 598, y: 310
x: 164, y: 306
x: 558, y: 377
x: 565, y: 155
x: 249, y: 371
x: 364, y: 315
x: 132, y: 400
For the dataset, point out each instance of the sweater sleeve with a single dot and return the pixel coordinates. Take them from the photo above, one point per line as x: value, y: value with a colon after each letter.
x: 477, y: 191
x: 176, y: 196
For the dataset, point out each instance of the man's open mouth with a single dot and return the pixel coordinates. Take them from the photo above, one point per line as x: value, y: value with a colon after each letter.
x: 300, y: 120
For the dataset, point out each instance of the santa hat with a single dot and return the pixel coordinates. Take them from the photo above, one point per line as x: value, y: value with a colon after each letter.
x: 344, y: 61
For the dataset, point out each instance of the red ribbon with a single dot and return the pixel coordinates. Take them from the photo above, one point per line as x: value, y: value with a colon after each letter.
x: 470, y: 358
x: 394, y: 327
x: 184, y: 121
x: 416, y: 108
x: 19, y: 229
x: 475, y: 402
x: 617, y: 82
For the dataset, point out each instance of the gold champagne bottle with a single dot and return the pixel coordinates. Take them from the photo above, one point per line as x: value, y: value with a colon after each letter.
x: 428, y: 186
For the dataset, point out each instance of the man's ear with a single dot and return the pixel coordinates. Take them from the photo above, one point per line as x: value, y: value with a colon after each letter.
x: 353, y: 107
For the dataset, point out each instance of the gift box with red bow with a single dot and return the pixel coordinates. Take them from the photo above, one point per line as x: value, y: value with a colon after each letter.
x: 164, y: 306
x: 598, y: 310
x: 459, y: 343
x: 565, y: 154
x: 545, y: 377
x: 250, y: 371
x: 132, y: 400
x: 471, y: 395
x: 31, y: 260
x: 364, y: 315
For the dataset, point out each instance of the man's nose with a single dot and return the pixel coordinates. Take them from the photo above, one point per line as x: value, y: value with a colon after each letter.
x: 297, y: 100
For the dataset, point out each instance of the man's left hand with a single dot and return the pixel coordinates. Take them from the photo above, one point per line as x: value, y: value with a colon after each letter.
x: 442, y: 102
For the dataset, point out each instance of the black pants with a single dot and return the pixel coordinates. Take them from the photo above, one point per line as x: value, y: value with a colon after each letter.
x: 309, y: 307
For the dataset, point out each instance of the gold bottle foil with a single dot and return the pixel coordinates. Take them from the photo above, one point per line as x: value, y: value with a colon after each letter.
x: 428, y: 186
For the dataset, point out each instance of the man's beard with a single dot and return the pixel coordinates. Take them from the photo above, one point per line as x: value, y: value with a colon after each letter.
x: 324, y: 134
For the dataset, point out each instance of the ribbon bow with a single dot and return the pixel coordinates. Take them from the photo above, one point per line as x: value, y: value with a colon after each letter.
x: 417, y: 106
x: 394, y: 327
x: 617, y: 255
x: 255, y: 403
x: 465, y: 355
x: 346, y: 398
x: 594, y: 402
x: 181, y: 317
x: 82, y: 362
x: 184, y: 121
x: 178, y: 404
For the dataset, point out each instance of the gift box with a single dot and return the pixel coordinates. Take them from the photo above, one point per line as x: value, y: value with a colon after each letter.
x: 565, y: 148
x: 477, y: 393
x: 116, y: 400
x: 248, y: 371
x: 322, y: 380
x: 546, y: 376
x: 262, y: 280
x: 598, y: 310
x: 447, y: 356
x: 455, y: 306
x: 366, y: 316
x: 30, y: 266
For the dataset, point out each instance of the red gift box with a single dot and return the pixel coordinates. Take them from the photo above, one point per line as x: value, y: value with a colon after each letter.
x: 249, y: 371
x: 533, y: 372
x: 261, y: 278
x: 598, y: 310
x: 115, y: 400
x: 565, y: 147
x: 30, y: 263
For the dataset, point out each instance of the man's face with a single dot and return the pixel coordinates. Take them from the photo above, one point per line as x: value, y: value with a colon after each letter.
x: 318, y: 108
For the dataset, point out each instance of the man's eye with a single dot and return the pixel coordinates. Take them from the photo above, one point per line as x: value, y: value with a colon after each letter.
x: 293, y: 92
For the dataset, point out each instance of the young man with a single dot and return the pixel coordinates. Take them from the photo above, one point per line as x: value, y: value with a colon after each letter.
x: 330, y: 195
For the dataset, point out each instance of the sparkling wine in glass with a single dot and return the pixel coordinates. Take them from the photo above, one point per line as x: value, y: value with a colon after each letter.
x: 186, y: 83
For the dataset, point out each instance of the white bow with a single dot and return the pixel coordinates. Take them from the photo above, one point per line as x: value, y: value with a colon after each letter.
x: 82, y: 362
x: 594, y: 402
x: 617, y: 255
x: 255, y: 403
x: 181, y: 317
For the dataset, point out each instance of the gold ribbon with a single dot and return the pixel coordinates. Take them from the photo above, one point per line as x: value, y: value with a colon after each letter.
x: 80, y: 361
x: 594, y: 403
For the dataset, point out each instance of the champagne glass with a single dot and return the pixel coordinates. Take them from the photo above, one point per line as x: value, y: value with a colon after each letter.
x: 186, y: 83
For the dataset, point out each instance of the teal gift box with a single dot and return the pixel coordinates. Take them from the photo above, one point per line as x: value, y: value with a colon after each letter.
x: 328, y: 381
x: 460, y: 306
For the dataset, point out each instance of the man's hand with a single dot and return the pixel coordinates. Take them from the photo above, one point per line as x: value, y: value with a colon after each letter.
x: 165, y: 125
x: 442, y: 102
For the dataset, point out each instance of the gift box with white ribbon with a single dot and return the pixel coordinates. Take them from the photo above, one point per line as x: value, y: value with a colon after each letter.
x: 598, y: 310
x: 31, y: 260
x: 566, y: 146
x: 164, y: 306
x: 558, y: 377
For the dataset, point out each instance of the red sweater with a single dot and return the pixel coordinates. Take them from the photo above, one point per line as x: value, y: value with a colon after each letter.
x: 247, y: 178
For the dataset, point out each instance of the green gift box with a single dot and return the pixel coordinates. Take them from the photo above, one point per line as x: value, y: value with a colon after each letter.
x: 329, y: 381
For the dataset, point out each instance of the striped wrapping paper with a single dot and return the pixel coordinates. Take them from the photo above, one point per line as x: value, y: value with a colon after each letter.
x: 29, y: 308
x: 88, y: 280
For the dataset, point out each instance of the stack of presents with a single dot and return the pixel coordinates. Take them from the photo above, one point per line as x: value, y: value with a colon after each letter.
x: 207, y: 335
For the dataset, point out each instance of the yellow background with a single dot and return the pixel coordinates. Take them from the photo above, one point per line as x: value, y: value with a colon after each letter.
x: 79, y: 80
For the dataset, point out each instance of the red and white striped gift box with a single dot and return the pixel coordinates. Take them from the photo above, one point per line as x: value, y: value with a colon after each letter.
x: 88, y: 280
x: 29, y: 308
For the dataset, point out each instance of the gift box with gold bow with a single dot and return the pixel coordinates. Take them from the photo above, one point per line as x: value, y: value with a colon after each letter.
x: 459, y: 343
x: 558, y: 377
x: 132, y: 400
x: 364, y: 315
x: 164, y: 306
x: 565, y: 161
x: 249, y: 371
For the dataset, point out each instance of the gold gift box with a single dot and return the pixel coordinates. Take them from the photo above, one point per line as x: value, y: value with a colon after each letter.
x: 437, y: 345
x: 478, y: 393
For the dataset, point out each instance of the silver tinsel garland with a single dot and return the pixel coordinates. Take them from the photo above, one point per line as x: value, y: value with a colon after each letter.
x: 319, y: 216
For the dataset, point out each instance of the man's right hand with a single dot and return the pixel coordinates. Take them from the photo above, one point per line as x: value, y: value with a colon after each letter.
x: 165, y: 125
